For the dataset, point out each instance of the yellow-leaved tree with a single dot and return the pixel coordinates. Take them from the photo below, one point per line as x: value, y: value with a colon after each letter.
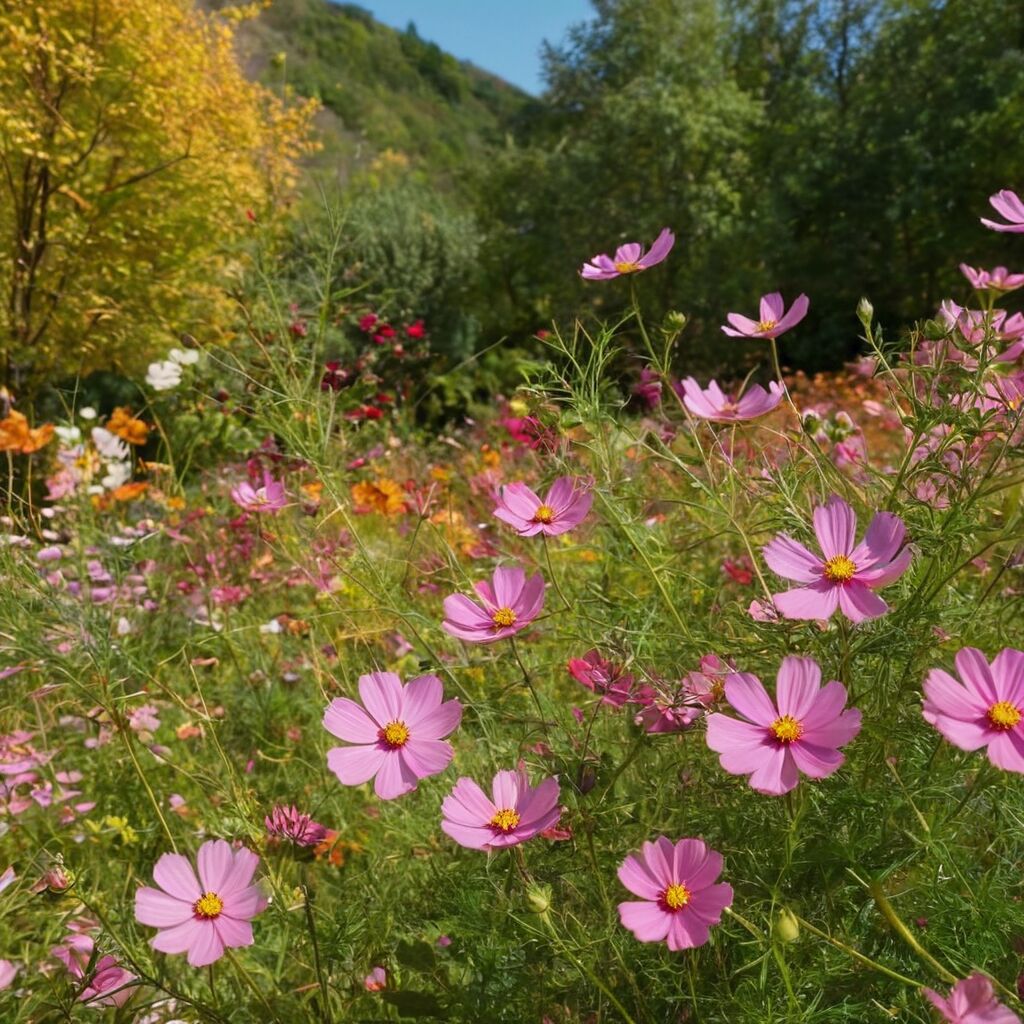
x: 133, y: 154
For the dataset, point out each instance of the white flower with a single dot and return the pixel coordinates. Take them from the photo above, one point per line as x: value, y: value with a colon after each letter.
x: 163, y: 376
x: 184, y: 356
x: 69, y: 435
x: 87, y: 412
x: 109, y: 445
x: 117, y: 473
x: 273, y: 626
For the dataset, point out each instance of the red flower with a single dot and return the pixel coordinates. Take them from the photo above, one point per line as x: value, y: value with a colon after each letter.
x: 368, y: 322
x: 416, y: 330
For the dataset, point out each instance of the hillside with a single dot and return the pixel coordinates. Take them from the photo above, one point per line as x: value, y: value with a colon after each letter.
x: 380, y: 88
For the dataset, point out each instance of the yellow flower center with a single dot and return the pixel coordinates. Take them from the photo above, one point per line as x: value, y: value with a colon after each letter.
x: 395, y: 734
x: 627, y: 268
x: 786, y: 729
x: 675, y: 897
x: 839, y: 569
x: 504, y: 617
x: 505, y: 820
x: 767, y: 325
x: 544, y: 514
x: 208, y: 906
x: 1004, y: 715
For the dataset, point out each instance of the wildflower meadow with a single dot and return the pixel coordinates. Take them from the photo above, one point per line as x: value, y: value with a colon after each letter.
x: 570, y: 681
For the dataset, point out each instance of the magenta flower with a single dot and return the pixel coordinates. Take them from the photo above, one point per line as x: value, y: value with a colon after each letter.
x: 1007, y: 204
x: 984, y: 709
x: 202, y: 916
x: 628, y: 259
x: 998, y: 279
x: 398, y: 733
x: 972, y: 1001
x: 601, y: 676
x: 679, y: 899
x: 514, y: 813
x: 565, y: 507
x: 270, y: 498
x: 292, y: 824
x: 774, y: 741
x: 711, y: 403
x: 376, y: 980
x: 107, y: 984
x: 846, y: 574
x: 510, y: 603
x: 773, y: 318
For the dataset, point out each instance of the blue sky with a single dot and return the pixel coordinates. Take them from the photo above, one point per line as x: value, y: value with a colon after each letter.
x: 503, y: 36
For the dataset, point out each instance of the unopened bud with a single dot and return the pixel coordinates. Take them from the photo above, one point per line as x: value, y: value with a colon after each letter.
x: 674, y: 321
x: 787, y: 927
x: 538, y: 898
x: 865, y: 312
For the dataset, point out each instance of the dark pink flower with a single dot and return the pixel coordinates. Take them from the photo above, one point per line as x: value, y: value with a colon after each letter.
x: 679, y: 897
x: 376, y: 980
x: 846, y: 574
x: 603, y: 677
x: 291, y: 824
x: 510, y: 603
x: 774, y: 741
x: 107, y: 984
x: 1007, y: 204
x: 628, y: 259
x: 711, y: 403
x: 774, y: 320
x: 397, y: 734
x: 565, y: 507
x: 972, y: 1001
x: 514, y: 813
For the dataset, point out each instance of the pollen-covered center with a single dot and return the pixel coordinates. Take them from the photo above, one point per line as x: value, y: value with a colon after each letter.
x: 394, y: 734
x: 767, y: 325
x: 505, y: 820
x: 628, y: 268
x: 544, y: 514
x: 839, y: 569
x: 786, y: 729
x: 1004, y: 715
x: 675, y: 897
x: 208, y: 906
x: 504, y: 617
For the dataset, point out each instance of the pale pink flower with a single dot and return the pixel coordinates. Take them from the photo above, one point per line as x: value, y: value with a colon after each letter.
x: 376, y: 980
x: 774, y: 320
x: 8, y: 972
x: 514, y: 813
x: 971, y: 1001
x: 679, y: 897
x: 999, y: 279
x: 711, y: 403
x: 774, y: 741
x: 270, y: 498
x: 202, y: 916
x: 397, y: 734
x: 984, y: 709
x: 509, y: 604
x: 565, y: 507
x: 846, y: 574
x: 1007, y: 204
x: 628, y: 259
x: 107, y: 984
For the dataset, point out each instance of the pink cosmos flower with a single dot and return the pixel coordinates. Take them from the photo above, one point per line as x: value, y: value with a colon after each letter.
x: 972, y: 1001
x: 999, y: 279
x: 984, y: 709
x: 1007, y: 204
x: 773, y: 318
x: 398, y: 733
x: 202, y: 916
x: 604, y: 677
x: 292, y: 824
x: 269, y: 498
x: 565, y: 507
x: 108, y: 984
x: 510, y: 603
x: 846, y: 574
x: 629, y: 259
x: 800, y: 731
x: 679, y: 898
x: 8, y: 972
x: 514, y: 813
x: 376, y: 980
x: 711, y: 403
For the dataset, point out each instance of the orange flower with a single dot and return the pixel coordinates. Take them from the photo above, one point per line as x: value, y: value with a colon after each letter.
x: 127, y: 427
x: 16, y: 436
x: 384, y: 496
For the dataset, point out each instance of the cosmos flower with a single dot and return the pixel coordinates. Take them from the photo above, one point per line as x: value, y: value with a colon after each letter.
x: 971, y: 1001
x: 985, y: 708
x: 8, y: 972
x: 398, y: 733
x: 679, y: 897
x: 292, y: 824
x: 514, y: 813
x: 107, y: 984
x: 565, y: 507
x: 164, y: 375
x: 202, y: 916
x: 774, y: 320
x: 999, y: 279
x: 1007, y: 204
x: 629, y: 259
x: 711, y: 403
x: 509, y: 604
x: 269, y: 498
x: 603, y: 677
x: 774, y: 741
x: 376, y: 980
x: 846, y: 574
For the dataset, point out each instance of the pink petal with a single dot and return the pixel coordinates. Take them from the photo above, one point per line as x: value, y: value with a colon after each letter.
x: 883, y: 574
x: 159, y: 910
x: 881, y: 542
x: 797, y: 686
x: 746, y: 694
x: 345, y: 719
x: 244, y: 904
x: 1008, y: 675
x: 420, y: 697
x: 1006, y: 750
x: 973, y: 668
x: 180, y: 938
x: 381, y: 694
x: 815, y: 761
x: 858, y: 603
x: 835, y: 525
x: 506, y: 788
x: 686, y: 931
x: 508, y: 585
x: 475, y: 837
x: 241, y: 873
x: 214, y: 861
x: 834, y: 733
x: 232, y: 932
x: 427, y: 757
x: 440, y: 722
x: 206, y: 947
x: 945, y: 696
x: 468, y: 804
x: 537, y: 804
x: 791, y: 560
x: 174, y: 874
x: 637, y: 878
x: 460, y: 611
x: 816, y: 601
x: 355, y: 765
x: 742, y: 746
x: 647, y: 921
x: 776, y: 775
x: 395, y: 777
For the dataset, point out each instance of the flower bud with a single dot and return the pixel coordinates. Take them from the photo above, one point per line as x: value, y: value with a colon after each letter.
x: 865, y: 313
x: 787, y: 928
x: 538, y: 899
x: 674, y: 321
